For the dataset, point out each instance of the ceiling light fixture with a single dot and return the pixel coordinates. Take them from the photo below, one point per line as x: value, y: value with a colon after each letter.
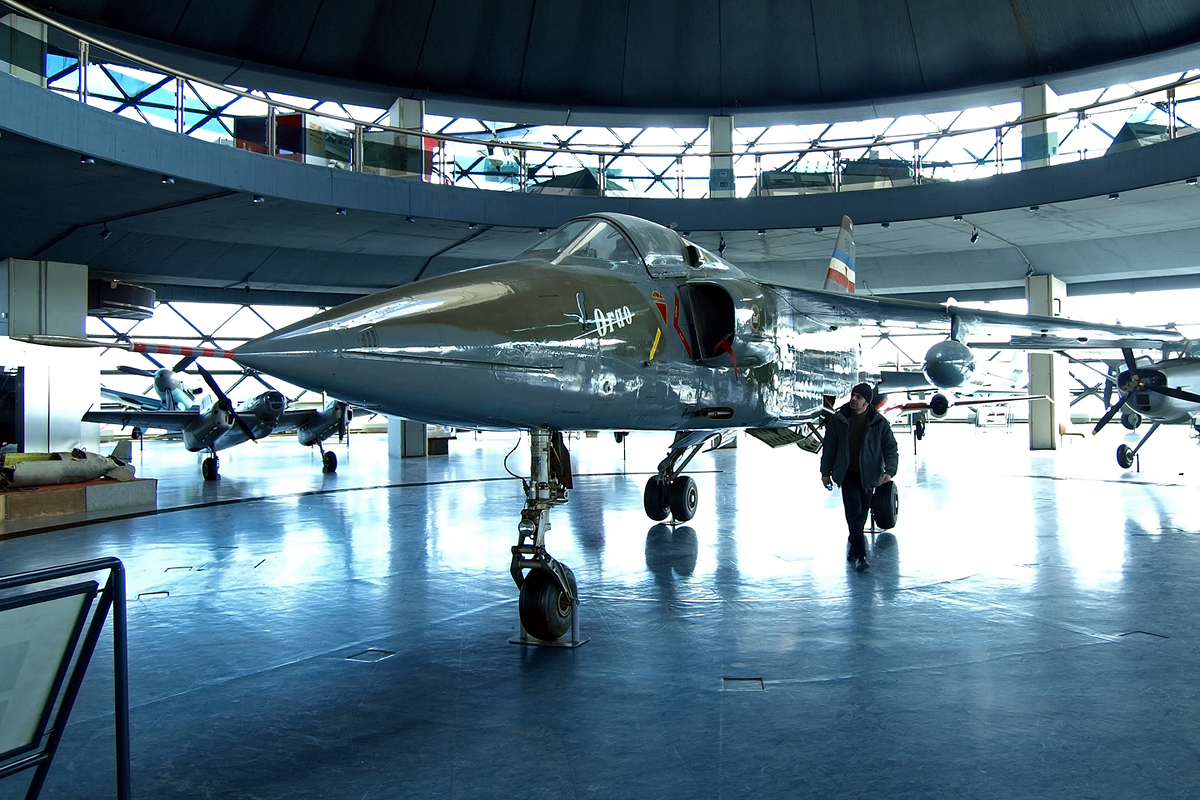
x: 819, y: 229
x: 410, y: 219
x: 1190, y: 181
x: 473, y: 226
x: 1033, y: 208
x: 104, y: 234
x: 86, y: 160
x: 762, y: 233
x: 541, y: 231
x: 886, y: 225
x: 341, y: 212
x: 721, y: 246
x: 974, y: 235
x: 167, y: 180
x: 258, y: 198
x: 1114, y: 196
x: 958, y: 217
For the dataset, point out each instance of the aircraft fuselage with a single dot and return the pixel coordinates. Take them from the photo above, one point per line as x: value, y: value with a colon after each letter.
x: 534, y: 344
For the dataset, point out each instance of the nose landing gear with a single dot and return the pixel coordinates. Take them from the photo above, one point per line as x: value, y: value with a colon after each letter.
x: 549, y: 596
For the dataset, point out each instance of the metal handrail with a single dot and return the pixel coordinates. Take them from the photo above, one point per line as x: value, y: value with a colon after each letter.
x: 833, y: 147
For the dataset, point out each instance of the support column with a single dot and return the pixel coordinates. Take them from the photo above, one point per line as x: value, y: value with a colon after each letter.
x: 1038, y: 142
x: 406, y: 439
x: 411, y: 158
x: 721, y: 182
x: 1047, y: 372
x: 58, y: 385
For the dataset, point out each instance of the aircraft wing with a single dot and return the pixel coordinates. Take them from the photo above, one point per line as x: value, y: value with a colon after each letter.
x: 162, y: 420
x: 1026, y: 331
x: 138, y: 401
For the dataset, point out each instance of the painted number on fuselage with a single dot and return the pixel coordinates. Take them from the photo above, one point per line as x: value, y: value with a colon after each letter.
x: 607, y: 322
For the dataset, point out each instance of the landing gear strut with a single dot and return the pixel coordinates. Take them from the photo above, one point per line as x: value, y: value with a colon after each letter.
x: 549, y: 600
x: 1126, y: 454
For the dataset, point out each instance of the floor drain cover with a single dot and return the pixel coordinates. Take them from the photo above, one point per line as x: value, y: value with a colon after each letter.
x: 371, y: 656
x: 742, y: 684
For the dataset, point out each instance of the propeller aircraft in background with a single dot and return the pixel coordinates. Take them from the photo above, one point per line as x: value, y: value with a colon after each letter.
x: 215, y: 425
x: 1162, y: 392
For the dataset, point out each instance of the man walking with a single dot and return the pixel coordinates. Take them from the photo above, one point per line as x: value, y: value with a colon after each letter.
x: 859, y: 454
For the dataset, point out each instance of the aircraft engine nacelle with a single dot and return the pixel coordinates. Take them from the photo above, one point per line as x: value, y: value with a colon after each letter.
x: 731, y: 317
x: 949, y: 364
x: 939, y: 404
x: 207, y: 427
x: 321, y: 424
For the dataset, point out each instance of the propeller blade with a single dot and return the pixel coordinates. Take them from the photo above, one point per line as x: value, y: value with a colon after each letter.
x: 184, y: 363
x: 1112, y: 412
x: 225, y: 402
x: 1178, y: 394
x: 1130, y: 361
x: 145, y: 373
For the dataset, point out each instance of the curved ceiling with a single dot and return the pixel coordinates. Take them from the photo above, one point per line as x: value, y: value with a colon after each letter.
x: 665, y: 55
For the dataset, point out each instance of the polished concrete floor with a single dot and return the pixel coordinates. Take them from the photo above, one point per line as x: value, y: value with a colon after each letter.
x: 1028, y: 630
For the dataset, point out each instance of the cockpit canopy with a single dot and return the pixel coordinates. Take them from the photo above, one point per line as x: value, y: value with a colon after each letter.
x: 621, y: 242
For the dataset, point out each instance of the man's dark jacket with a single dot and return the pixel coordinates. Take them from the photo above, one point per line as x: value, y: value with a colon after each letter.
x: 879, y: 453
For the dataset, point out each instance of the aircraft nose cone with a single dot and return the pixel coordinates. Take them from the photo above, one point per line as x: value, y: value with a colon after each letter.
x: 305, y: 354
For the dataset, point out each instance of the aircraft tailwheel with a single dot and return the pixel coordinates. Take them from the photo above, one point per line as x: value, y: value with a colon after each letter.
x: 209, y: 469
x: 1125, y: 456
x: 655, y: 500
x: 329, y: 461
x: 136, y: 433
x: 684, y: 498
x: 1131, y: 420
x: 919, y: 429
x: 546, y: 610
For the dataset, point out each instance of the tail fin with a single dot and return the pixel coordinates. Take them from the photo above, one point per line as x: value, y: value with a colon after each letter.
x: 840, y: 276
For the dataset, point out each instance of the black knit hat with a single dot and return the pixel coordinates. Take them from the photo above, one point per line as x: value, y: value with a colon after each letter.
x: 865, y: 391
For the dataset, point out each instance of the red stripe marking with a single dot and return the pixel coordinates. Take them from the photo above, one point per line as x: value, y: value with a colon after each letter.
x: 687, y: 348
x: 840, y: 279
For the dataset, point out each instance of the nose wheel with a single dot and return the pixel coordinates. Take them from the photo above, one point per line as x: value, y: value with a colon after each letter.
x: 548, y: 604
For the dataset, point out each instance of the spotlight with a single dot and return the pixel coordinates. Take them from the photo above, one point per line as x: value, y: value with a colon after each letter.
x: 1114, y: 196
x: 1033, y: 208
x: 1029, y: 271
x: 819, y: 229
x: 958, y: 217
x: 258, y: 198
x: 473, y: 226
x: 86, y: 160
x: 341, y: 212
x: 167, y: 180
x: 410, y: 219
x: 541, y: 231
x: 974, y: 235
x: 721, y: 246
x: 104, y: 234
x: 762, y: 233
x: 886, y: 225
x: 1190, y: 181
x: 687, y: 233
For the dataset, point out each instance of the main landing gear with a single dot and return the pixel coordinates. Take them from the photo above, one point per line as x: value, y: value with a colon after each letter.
x: 549, y: 599
x: 328, y: 460
x: 669, y: 492
x: 209, y: 467
x: 1126, y: 454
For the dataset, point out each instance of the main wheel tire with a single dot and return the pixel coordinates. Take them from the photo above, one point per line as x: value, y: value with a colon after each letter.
x: 655, y: 500
x: 209, y: 469
x: 1131, y: 420
x: 1125, y: 456
x: 329, y: 461
x: 546, y: 611
x: 684, y: 498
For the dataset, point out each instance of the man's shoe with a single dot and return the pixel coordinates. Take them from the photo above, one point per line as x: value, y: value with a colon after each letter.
x: 861, y: 564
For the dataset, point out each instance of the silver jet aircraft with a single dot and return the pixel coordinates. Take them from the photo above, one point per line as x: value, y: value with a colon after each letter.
x: 615, y: 323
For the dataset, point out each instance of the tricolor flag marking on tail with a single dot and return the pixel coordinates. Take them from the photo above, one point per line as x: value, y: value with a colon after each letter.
x: 180, y: 350
x: 840, y: 275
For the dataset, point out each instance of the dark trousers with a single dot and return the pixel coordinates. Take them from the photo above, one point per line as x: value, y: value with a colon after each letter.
x: 857, y: 500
